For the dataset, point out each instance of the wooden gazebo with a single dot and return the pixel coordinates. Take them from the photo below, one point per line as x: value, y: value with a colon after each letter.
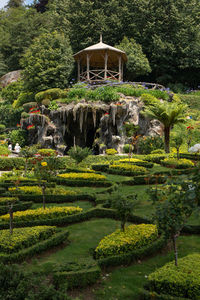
x: 100, y: 62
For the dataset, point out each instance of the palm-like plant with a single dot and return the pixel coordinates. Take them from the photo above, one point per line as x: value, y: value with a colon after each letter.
x: 168, y: 114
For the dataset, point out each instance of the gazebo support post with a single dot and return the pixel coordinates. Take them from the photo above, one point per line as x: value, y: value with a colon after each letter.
x: 78, y: 69
x: 88, y: 67
x: 106, y: 66
x: 122, y: 71
x: 120, y: 67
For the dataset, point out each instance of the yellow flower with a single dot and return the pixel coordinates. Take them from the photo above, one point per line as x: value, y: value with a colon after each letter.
x: 44, y: 163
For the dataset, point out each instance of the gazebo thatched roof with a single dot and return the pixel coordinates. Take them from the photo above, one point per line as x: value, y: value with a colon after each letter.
x: 97, y: 54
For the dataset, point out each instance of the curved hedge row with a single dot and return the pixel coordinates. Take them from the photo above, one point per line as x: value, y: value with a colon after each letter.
x: 127, y: 258
x: 89, y: 183
x: 121, y: 242
x: 16, y: 207
x: 54, y: 240
x: 97, y: 212
x: 57, y: 198
x: 181, y: 281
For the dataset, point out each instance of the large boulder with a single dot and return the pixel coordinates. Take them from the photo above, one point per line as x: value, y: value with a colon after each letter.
x: 10, y: 77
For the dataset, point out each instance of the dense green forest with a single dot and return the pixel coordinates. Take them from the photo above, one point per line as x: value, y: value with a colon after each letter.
x: 166, y: 31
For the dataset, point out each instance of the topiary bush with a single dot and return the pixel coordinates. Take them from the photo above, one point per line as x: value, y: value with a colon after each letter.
x: 120, y: 242
x: 181, y: 281
x: 111, y: 151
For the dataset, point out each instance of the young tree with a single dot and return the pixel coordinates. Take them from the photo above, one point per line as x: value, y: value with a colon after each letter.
x: 124, y: 206
x: 28, y: 152
x: 44, y: 169
x: 177, y: 138
x: 168, y: 114
x: 138, y: 63
x: 47, y: 63
x: 176, y: 202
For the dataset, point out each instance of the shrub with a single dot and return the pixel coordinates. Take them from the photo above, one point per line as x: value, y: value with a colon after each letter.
x: 128, y: 148
x: 23, y: 237
x: 137, y: 162
x: 18, y: 136
x: 106, y: 94
x: 158, y: 151
x: 177, y: 163
x: 22, y: 99
x: 12, y: 91
x: 79, y: 154
x: 119, y: 242
x: 47, y: 152
x: 148, y: 99
x: 111, y: 151
x: 147, y: 144
x: 50, y: 94
x: 126, y: 169
x: 42, y: 214
x: 36, y: 190
x: 77, y: 93
x: 181, y: 281
x: 2, y: 127
x: 5, y: 200
x: 82, y: 176
x: 4, y: 151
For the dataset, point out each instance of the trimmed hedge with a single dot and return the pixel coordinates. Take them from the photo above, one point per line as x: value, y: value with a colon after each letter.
x: 8, y: 163
x: 97, y: 212
x: 80, y: 278
x: 125, y: 259
x: 178, y: 164
x: 123, y: 172
x: 16, y: 207
x: 147, y: 295
x: 82, y: 182
x: 56, y: 198
x: 119, y: 242
x: 54, y: 240
x: 192, y: 156
x: 183, y: 280
x: 152, y: 179
x: 100, y: 167
x: 137, y: 162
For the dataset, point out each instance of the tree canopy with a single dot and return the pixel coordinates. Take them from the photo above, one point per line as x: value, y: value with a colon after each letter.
x: 47, y: 63
x: 167, y: 31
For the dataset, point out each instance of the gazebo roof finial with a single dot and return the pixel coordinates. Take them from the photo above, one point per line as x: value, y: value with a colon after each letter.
x: 101, y: 39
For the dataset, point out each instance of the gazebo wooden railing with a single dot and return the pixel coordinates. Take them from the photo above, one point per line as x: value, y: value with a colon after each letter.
x: 99, y: 75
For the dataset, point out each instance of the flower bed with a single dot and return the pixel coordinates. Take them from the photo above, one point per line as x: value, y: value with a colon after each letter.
x: 42, y: 214
x: 23, y: 237
x: 119, y: 242
x: 181, y: 281
x: 126, y: 169
x: 83, y: 176
x: 137, y: 162
x: 177, y: 163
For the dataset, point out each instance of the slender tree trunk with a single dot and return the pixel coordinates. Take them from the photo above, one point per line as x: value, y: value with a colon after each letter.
x: 11, y: 218
x: 175, y: 250
x: 178, y: 153
x: 123, y: 225
x: 167, y: 138
x: 43, y: 196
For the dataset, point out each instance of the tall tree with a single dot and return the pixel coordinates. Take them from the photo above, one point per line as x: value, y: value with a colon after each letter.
x: 14, y: 3
x: 47, y: 63
x: 168, y: 114
x: 138, y: 63
x: 3, y: 67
